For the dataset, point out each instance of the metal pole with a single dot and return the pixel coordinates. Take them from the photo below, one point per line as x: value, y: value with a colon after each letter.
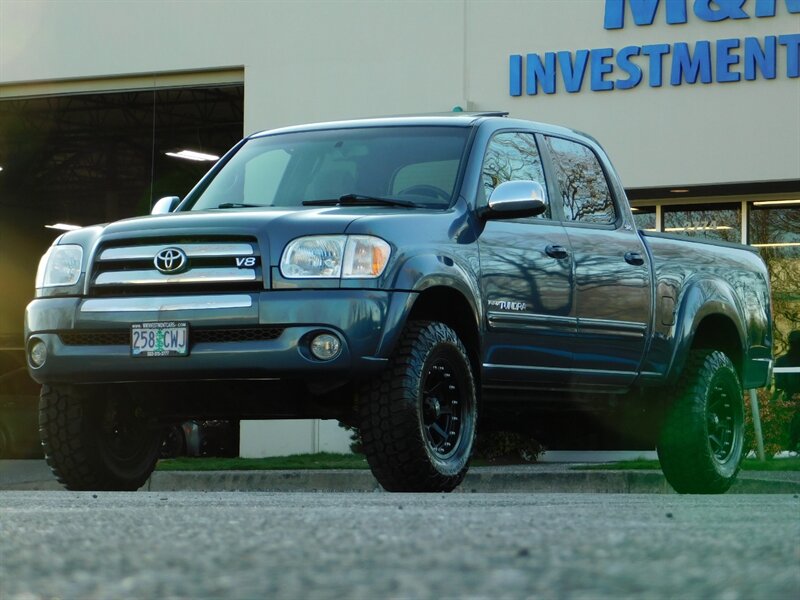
x: 757, y: 425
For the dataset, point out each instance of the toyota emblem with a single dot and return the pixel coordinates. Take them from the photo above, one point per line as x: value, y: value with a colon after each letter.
x: 170, y: 260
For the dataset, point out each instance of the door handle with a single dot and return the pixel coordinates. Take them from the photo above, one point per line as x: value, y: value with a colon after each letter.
x: 556, y: 251
x: 634, y: 258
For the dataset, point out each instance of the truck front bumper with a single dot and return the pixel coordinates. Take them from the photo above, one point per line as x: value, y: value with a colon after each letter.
x: 232, y: 336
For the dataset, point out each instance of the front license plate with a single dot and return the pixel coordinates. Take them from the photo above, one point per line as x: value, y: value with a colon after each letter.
x: 160, y: 339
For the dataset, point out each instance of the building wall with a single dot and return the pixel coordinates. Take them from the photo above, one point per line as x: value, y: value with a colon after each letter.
x: 317, y: 60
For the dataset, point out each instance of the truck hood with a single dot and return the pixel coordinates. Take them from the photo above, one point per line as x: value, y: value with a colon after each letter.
x: 272, y: 227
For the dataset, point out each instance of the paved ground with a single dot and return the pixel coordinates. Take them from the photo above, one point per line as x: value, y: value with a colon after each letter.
x: 374, y: 545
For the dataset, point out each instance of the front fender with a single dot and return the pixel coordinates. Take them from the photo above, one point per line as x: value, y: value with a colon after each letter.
x: 421, y: 273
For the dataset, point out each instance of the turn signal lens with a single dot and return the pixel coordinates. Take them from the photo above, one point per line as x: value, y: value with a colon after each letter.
x: 365, y: 256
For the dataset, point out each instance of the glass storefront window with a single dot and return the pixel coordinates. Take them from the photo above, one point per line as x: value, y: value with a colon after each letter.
x: 710, y: 221
x: 775, y: 231
x: 645, y: 217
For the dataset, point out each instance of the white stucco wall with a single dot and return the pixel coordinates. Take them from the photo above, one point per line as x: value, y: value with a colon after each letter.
x: 317, y: 60
x: 287, y: 437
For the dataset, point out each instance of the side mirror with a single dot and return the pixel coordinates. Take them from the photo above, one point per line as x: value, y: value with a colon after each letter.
x: 515, y: 200
x: 165, y: 205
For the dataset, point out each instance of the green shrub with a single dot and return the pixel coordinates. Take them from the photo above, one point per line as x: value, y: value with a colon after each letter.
x: 778, y: 415
x: 492, y: 446
x: 507, y: 446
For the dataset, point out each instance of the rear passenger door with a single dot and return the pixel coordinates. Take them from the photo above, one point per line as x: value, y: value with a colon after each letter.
x: 526, y: 282
x: 612, y: 276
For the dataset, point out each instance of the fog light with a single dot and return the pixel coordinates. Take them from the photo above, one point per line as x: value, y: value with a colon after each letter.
x: 326, y: 346
x: 38, y: 353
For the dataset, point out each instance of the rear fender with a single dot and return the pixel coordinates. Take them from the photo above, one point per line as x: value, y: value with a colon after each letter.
x: 704, y: 298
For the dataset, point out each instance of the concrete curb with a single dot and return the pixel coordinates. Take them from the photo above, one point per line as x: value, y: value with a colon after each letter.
x: 485, y: 480
x: 536, y: 478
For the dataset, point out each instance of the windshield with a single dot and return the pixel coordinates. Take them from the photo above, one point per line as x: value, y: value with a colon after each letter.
x: 416, y: 165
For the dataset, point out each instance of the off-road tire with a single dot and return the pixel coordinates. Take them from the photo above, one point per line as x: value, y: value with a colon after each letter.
x: 702, y: 439
x: 97, y: 438
x: 428, y: 381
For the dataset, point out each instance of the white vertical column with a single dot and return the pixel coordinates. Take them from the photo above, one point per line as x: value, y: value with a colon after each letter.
x: 745, y: 220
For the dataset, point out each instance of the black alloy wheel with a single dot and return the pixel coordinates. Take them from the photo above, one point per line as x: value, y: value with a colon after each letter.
x: 443, y: 409
x: 702, y: 440
x: 418, y: 417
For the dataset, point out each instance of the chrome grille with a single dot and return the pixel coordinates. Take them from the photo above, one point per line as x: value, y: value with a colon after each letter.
x: 213, y: 265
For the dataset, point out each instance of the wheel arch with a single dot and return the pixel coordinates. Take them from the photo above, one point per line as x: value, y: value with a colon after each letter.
x: 709, y: 317
x: 449, y: 305
x: 444, y: 289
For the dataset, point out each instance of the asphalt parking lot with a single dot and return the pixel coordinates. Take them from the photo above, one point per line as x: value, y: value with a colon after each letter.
x: 374, y: 545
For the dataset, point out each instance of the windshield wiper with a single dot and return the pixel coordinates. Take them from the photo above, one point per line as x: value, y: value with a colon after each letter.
x: 360, y: 200
x: 237, y: 205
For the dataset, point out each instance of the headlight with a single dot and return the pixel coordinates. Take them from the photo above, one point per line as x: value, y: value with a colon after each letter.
x: 334, y: 256
x: 60, y: 265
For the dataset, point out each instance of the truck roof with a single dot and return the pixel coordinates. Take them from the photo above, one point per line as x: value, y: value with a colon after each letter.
x: 451, y: 119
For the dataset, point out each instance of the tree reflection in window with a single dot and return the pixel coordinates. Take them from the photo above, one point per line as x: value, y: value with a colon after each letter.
x: 511, y: 156
x: 775, y: 231
x: 584, y: 189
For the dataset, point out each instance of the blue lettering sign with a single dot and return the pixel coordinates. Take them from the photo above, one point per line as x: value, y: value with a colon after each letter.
x: 687, y: 66
x: 536, y: 72
x: 573, y: 74
x: 725, y: 60
x: 733, y: 60
x: 655, y: 52
x: 515, y: 75
x: 766, y: 8
x: 644, y: 11
x: 634, y: 72
x: 756, y: 57
x: 600, y: 68
x: 719, y: 10
x: 792, y: 43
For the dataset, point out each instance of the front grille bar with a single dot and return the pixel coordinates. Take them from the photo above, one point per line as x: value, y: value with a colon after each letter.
x: 153, y: 277
x: 191, y: 250
x: 166, y: 303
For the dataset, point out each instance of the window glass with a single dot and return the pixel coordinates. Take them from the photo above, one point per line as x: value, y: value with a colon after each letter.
x: 709, y: 221
x: 644, y: 217
x: 440, y: 174
x: 262, y: 175
x: 511, y: 156
x: 418, y: 164
x: 775, y: 231
x: 584, y: 189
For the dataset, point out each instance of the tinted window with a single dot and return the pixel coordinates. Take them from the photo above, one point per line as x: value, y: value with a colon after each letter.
x: 584, y: 189
x: 419, y: 164
x: 511, y: 156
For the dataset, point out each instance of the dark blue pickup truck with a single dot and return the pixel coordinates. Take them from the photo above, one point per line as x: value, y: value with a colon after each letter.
x: 403, y: 276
